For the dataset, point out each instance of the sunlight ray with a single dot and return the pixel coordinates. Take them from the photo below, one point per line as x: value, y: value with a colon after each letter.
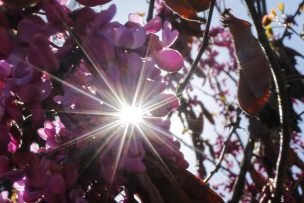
x: 154, y: 151
x: 89, y: 112
x: 108, y: 139
x: 156, y: 105
x: 90, y: 134
x: 141, y: 76
x: 158, y: 129
x: 96, y: 66
x: 65, y: 83
x: 176, y: 137
x: 118, y: 157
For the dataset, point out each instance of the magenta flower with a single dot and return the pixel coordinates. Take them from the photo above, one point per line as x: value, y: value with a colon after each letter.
x: 41, y: 55
x: 6, y: 43
x: 166, y: 58
x: 4, y: 197
x: 109, y: 67
x: 54, y: 134
x: 5, y: 39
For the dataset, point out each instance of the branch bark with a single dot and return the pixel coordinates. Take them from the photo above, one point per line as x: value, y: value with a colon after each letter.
x: 292, y: 18
x: 240, y: 182
x: 150, y: 11
x: 283, y: 104
x: 203, y: 47
x: 181, y: 87
x: 224, y: 150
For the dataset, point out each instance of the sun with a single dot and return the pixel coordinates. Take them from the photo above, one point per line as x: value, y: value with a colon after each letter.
x: 130, y: 115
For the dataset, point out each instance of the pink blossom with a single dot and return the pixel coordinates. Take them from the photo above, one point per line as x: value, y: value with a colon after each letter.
x: 56, y: 184
x: 41, y: 55
x: 54, y: 134
x: 108, y: 62
x: 4, y: 197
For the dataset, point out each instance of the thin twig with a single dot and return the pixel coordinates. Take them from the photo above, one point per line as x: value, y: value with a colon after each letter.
x: 190, y: 146
x: 222, y: 167
x: 224, y: 150
x: 230, y: 76
x: 240, y: 140
x: 203, y: 47
x: 264, y: 11
x: 292, y: 78
x: 150, y: 11
x: 292, y: 18
x: 240, y: 182
x: 299, y: 115
x: 283, y: 104
x: 181, y: 87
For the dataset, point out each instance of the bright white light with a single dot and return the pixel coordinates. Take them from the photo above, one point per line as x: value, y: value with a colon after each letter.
x: 130, y: 115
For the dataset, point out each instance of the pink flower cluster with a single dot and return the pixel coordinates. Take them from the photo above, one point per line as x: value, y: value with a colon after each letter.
x: 71, y: 71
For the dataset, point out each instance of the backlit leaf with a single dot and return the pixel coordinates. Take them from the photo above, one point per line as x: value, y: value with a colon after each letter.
x: 188, y: 9
x: 267, y: 19
x: 281, y: 7
x: 273, y: 12
x: 255, y: 76
x: 183, y: 187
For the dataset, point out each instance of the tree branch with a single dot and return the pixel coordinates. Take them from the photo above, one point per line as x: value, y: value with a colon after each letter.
x: 224, y: 150
x: 181, y: 87
x: 240, y: 182
x: 150, y: 11
x: 203, y: 47
x: 283, y: 104
x: 292, y: 18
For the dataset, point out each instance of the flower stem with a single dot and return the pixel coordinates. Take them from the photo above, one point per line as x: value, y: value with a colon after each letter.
x: 150, y: 11
x: 224, y: 150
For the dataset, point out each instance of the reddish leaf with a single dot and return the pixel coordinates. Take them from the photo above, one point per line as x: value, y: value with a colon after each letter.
x: 183, y: 187
x: 149, y: 187
x: 255, y: 76
x: 188, y: 9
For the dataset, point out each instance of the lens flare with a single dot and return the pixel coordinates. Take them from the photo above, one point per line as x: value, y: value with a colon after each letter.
x: 130, y: 115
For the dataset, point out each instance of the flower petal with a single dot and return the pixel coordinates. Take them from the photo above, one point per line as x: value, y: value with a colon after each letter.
x: 6, y: 44
x: 57, y: 184
x: 153, y: 25
x: 41, y: 55
x: 28, y: 27
x: 135, y: 18
x: 169, y: 60
x: 168, y: 36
